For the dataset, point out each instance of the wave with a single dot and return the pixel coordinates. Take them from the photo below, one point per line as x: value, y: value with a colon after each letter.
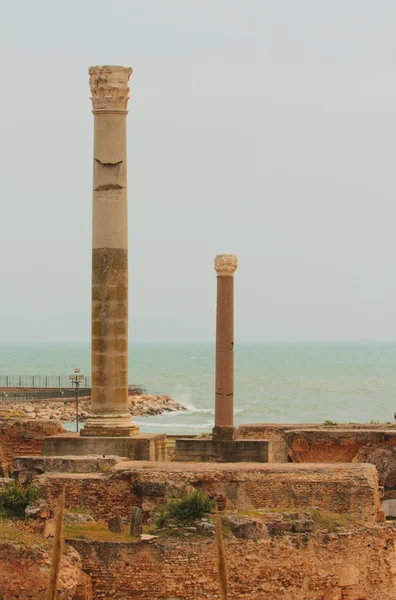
x: 194, y: 410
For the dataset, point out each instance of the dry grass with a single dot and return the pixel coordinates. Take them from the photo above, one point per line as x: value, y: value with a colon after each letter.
x: 95, y: 531
x: 57, y: 551
x: 11, y: 531
x: 221, y: 560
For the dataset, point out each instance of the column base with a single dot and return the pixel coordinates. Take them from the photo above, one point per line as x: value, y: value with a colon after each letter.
x: 223, y: 433
x: 221, y: 451
x: 109, y: 426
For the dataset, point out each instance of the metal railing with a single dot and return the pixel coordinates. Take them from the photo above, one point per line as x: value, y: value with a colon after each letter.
x: 41, y: 381
x: 42, y: 387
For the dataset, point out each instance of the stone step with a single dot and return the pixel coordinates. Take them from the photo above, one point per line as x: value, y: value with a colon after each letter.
x: 36, y: 465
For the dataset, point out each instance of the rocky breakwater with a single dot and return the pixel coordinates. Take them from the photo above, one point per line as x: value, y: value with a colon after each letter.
x: 65, y: 409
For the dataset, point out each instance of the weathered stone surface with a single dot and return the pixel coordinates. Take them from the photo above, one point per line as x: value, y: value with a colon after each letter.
x: 333, y: 593
x: 78, y: 518
x: 383, y: 456
x: 25, y: 573
x: 246, y: 528
x: 294, y: 567
x: 315, y: 443
x: 38, y: 510
x: 204, y: 450
x: 149, y: 446
x: 64, y: 464
x: 84, y: 588
x: 24, y: 438
x: 116, y: 524
x: 350, y: 489
x: 348, y: 575
x: 289, y: 522
x: 135, y: 525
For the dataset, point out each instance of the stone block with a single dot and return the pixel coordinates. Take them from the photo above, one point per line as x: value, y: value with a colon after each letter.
x: 83, y: 588
x: 246, y: 528
x: 116, y: 524
x: 38, y: 510
x: 381, y: 516
x: 135, y: 525
x: 333, y: 593
x: 64, y: 464
x: 138, y: 447
x: 348, y: 575
x: 203, y: 450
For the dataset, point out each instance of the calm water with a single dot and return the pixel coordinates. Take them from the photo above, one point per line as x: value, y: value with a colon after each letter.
x: 276, y: 383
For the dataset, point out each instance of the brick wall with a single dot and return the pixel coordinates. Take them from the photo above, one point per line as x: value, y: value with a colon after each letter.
x: 24, y: 438
x: 349, y: 565
x: 349, y: 489
x: 100, y: 495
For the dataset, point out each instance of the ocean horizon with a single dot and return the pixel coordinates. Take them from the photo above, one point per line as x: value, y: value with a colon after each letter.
x: 274, y: 382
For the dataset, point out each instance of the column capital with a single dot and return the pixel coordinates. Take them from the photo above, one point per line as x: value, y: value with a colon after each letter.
x: 109, y: 88
x: 225, y: 265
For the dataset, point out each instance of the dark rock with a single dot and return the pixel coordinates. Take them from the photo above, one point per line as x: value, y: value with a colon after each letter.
x: 279, y: 524
x: 38, y: 510
x: 383, y: 456
x: 135, y: 525
x: 78, y: 518
x: 116, y: 524
x: 246, y: 528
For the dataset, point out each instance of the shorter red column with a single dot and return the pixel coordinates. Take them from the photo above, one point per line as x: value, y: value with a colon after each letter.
x: 225, y: 266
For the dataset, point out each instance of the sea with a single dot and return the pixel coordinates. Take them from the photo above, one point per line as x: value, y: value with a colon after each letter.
x: 277, y: 383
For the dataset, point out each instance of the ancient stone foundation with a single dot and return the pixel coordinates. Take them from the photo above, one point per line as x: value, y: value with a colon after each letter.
x: 221, y: 450
x: 347, y: 565
x: 312, y: 442
x: 24, y: 437
x: 138, y: 447
x: 346, y: 489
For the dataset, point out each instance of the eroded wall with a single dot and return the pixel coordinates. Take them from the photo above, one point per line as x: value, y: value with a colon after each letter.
x: 348, y: 565
x: 24, y: 438
x: 347, y: 489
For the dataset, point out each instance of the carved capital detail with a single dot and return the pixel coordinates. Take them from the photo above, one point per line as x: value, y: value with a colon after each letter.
x: 109, y: 89
x: 226, y: 265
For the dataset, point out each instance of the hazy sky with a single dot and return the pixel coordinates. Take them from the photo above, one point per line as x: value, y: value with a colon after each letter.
x: 265, y: 128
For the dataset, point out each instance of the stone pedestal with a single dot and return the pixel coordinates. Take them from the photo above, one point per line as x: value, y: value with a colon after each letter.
x: 110, y: 414
x: 139, y: 447
x: 220, y: 451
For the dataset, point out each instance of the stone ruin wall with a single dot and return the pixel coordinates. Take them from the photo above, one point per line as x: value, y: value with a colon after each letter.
x: 348, y: 565
x: 24, y: 438
x: 346, y: 490
x: 310, y: 443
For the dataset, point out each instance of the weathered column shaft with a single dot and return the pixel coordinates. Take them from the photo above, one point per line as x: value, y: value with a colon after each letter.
x: 109, y: 410
x: 225, y: 265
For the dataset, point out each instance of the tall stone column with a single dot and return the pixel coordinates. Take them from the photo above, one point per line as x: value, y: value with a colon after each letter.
x: 225, y: 266
x: 109, y: 410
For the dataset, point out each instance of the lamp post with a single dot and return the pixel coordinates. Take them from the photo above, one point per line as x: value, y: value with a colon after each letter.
x: 76, y: 380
